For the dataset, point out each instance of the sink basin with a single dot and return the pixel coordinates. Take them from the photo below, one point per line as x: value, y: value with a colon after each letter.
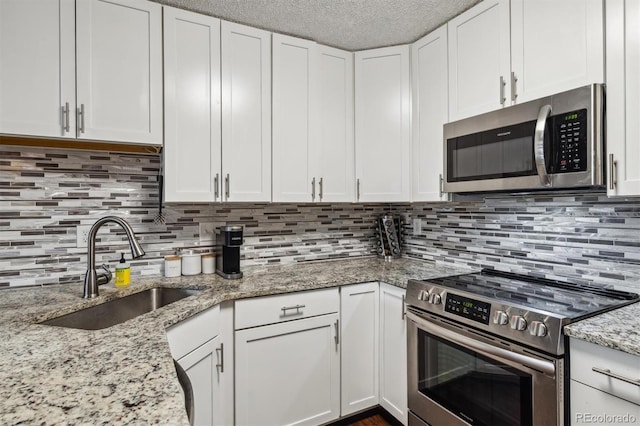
x: 120, y: 310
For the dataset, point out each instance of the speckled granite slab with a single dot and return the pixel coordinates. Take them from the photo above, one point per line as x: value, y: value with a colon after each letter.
x: 618, y: 329
x: 124, y: 374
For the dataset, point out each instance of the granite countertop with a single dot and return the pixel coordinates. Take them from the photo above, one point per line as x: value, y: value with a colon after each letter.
x: 125, y: 374
x: 618, y: 329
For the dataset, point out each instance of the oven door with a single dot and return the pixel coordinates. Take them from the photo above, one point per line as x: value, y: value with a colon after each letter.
x: 458, y: 377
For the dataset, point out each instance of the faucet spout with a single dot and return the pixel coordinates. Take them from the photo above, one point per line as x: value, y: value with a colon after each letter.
x: 91, y: 277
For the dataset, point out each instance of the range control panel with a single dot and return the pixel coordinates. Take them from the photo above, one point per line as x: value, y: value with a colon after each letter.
x: 570, y: 141
x: 468, y: 308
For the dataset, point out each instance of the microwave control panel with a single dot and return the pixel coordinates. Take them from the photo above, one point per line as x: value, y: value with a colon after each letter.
x: 570, y: 136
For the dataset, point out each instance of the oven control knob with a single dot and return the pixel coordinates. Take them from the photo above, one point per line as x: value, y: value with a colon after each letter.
x: 436, y: 299
x: 500, y: 318
x: 538, y: 328
x: 518, y: 323
x: 423, y: 295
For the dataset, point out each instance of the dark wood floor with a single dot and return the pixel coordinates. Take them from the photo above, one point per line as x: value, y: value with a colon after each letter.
x: 374, y: 420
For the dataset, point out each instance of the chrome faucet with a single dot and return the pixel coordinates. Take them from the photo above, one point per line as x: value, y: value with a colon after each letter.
x: 92, y: 278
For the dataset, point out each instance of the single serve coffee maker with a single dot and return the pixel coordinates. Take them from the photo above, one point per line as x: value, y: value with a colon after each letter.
x: 228, y: 242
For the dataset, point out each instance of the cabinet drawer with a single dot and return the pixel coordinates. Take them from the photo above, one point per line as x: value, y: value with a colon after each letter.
x: 585, y: 356
x: 285, y: 307
x: 193, y: 332
x: 593, y: 407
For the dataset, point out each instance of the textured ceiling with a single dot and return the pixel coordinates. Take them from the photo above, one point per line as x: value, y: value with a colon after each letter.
x: 347, y: 24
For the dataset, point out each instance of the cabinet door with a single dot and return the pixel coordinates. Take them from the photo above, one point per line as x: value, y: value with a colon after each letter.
x: 294, y: 119
x: 336, y: 144
x: 393, y: 352
x: 192, y: 142
x: 383, y: 140
x: 594, y: 407
x: 37, y: 67
x: 623, y: 96
x: 246, y: 113
x: 359, y: 314
x: 288, y: 373
x: 119, y: 70
x: 430, y: 112
x: 556, y: 46
x: 203, y: 368
x: 479, y: 60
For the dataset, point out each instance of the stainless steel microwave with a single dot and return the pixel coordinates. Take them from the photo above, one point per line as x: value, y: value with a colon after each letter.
x: 552, y: 142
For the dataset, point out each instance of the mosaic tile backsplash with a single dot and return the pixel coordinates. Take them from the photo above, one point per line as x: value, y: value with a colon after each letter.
x: 46, y: 193
x: 582, y: 237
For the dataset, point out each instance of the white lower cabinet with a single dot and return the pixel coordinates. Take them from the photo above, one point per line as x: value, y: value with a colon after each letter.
x: 288, y: 358
x: 288, y: 373
x: 209, y: 365
x: 393, y: 352
x: 310, y: 357
x: 601, y: 391
x: 359, y: 315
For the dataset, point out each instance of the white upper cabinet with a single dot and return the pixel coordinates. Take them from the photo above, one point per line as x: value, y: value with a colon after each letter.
x: 37, y: 67
x: 119, y: 70
x: 335, y: 153
x: 382, y: 117
x: 294, y: 119
x: 246, y: 113
x: 623, y: 97
x: 479, y: 67
x: 504, y: 52
x: 430, y: 112
x: 192, y: 142
x: 556, y: 46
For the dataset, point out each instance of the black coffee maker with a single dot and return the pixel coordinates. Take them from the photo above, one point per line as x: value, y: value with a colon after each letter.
x: 228, y: 242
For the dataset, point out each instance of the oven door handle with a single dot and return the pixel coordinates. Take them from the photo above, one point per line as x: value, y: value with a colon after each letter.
x: 481, y: 347
x: 538, y: 145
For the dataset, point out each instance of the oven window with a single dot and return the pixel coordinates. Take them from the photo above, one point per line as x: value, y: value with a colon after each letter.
x: 478, y: 389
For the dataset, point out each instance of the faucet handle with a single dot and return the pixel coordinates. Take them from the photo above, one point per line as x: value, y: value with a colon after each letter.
x: 104, y: 276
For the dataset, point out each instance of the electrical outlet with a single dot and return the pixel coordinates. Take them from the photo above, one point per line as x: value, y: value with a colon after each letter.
x: 207, y: 232
x: 82, y: 234
x: 417, y: 226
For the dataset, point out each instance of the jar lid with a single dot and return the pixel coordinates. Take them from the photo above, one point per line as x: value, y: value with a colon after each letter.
x: 174, y: 257
x: 208, y: 255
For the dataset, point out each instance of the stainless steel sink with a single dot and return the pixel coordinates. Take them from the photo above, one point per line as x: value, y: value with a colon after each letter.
x: 120, y: 310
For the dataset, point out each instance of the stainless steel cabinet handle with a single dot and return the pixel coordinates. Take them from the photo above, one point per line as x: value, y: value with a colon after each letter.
x: 220, y: 354
x: 404, y: 307
x: 226, y: 187
x: 502, y: 84
x: 441, y: 185
x: 215, y: 184
x: 358, y: 190
x: 514, y: 91
x: 80, y: 118
x: 320, y: 190
x: 608, y: 373
x: 65, y: 117
x: 337, y: 324
x: 313, y: 189
x: 613, y: 164
x: 284, y: 309
x: 538, y: 145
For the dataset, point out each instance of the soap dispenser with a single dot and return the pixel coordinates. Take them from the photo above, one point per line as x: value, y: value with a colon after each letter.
x: 123, y: 273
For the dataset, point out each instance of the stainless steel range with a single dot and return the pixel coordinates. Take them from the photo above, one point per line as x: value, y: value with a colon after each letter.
x: 488, y: 349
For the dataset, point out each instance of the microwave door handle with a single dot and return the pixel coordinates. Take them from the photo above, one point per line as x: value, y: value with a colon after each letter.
x: 538, y: 145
